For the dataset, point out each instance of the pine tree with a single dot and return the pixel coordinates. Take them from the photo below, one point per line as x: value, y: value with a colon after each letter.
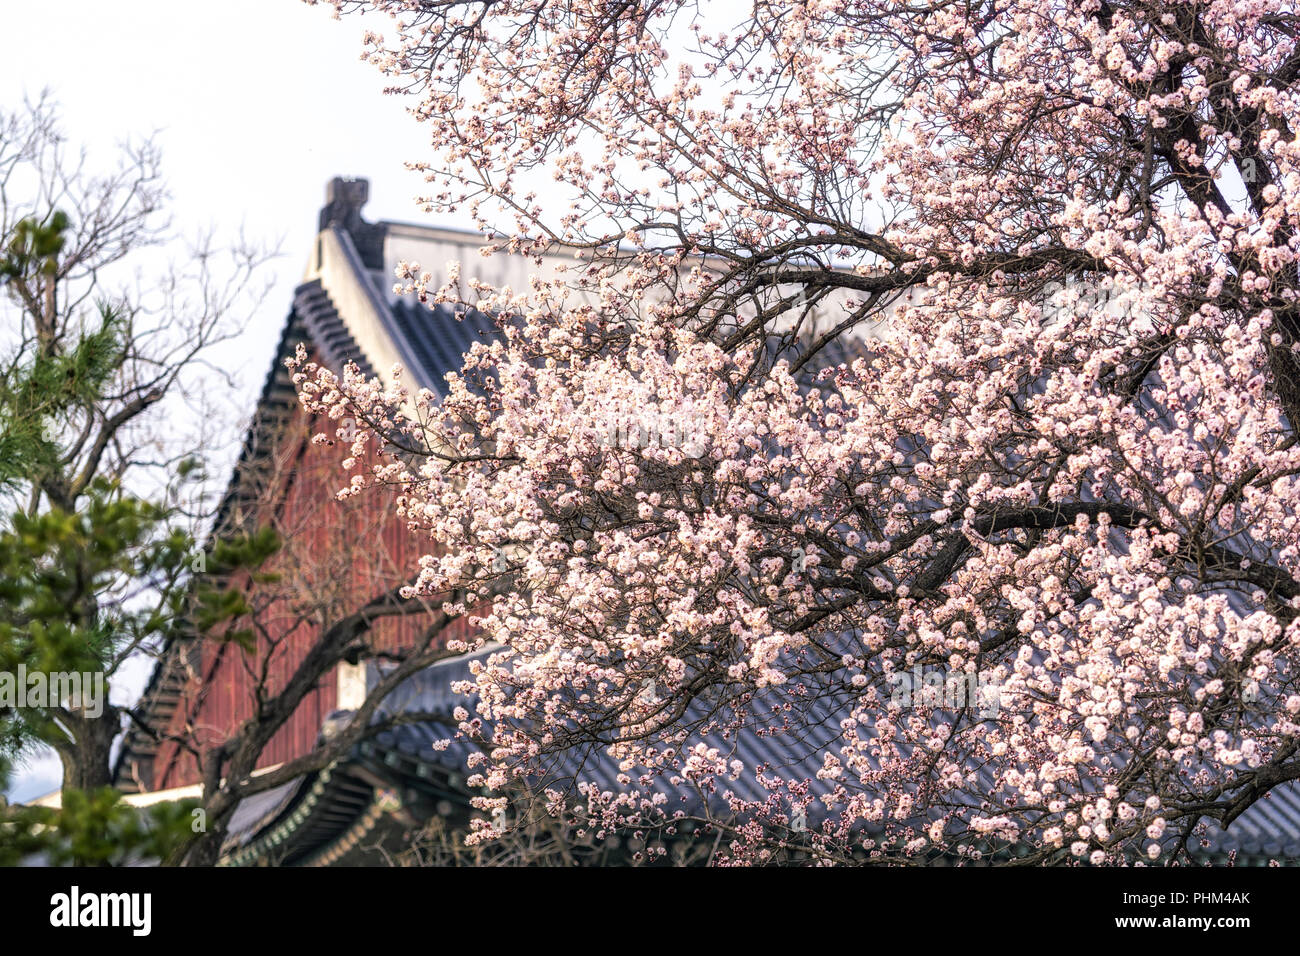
x: 98, y: 553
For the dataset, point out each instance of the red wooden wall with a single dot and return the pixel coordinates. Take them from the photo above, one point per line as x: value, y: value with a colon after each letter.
x: 336, y: 557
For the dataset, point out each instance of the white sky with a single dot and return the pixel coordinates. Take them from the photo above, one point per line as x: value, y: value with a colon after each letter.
x: 258, y: 103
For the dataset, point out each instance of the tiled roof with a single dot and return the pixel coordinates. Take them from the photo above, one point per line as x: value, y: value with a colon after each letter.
x: 257, y: 811
x: 430, y: 693
x: 323, y: 327
x: 437, y: 338
x: 1269, y: 829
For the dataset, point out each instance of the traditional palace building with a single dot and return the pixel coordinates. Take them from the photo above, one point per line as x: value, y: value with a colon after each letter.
x: 364, y: 804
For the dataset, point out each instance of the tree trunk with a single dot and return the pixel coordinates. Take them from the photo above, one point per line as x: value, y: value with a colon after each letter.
x: 86, y: 758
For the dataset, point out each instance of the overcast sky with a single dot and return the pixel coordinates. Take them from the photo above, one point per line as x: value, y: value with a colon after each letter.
x: 258, y: 103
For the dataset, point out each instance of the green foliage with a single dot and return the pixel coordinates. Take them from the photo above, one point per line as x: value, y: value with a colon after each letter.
x: 34, y: 247
x: 246, y: 551
x: 79, y: 589
x: 222, y: 603
x: 39, y: 391
x: 95, y: 828
x: 89, y: 573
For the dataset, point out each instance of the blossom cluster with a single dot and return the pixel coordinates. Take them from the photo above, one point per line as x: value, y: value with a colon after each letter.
x: 1092, y: 508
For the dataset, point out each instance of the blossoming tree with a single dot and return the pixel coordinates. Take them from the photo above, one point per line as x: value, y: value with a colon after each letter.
x: 1087, y: 501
